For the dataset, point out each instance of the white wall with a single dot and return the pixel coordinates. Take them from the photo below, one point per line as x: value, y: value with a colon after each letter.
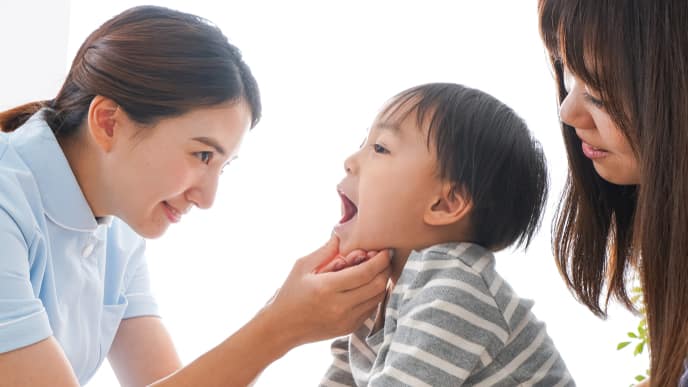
x: 324, y: 69
x: 33, y: 49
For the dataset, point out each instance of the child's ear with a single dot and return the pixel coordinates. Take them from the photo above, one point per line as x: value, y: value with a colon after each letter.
x: 448, y: 207
x: 102, y: 121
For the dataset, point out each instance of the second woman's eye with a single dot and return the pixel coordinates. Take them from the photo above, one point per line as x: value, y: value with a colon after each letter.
x: 380, y: 149
x: 598, y: 103
x: 204, y: 156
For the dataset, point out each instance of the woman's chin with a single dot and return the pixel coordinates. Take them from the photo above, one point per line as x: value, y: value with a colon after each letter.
x: 151, y: 231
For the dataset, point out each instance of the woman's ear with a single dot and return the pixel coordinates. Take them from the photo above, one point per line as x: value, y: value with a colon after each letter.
x: 450, y: 206
x: 102, y: 121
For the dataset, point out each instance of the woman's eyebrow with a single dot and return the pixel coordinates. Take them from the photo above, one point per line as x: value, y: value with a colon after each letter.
x: 211, y: 142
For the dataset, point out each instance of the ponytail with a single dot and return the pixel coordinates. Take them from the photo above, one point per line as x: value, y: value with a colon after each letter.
x: 13, y: 118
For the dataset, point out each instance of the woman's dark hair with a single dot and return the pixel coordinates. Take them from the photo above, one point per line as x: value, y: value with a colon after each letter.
x: 488, y: 153
x: 635, y: 55
x: 155, y: 63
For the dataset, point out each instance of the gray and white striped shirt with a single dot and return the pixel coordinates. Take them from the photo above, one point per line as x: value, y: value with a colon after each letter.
x: 451, y: 320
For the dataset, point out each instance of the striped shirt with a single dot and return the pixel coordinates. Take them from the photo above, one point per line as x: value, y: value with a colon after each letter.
x: 451, y: 320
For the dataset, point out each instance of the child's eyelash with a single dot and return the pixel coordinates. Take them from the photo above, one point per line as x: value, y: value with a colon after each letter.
x: 379, y: 149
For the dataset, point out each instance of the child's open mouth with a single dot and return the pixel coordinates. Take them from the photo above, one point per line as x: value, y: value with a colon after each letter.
x: 349, y: 209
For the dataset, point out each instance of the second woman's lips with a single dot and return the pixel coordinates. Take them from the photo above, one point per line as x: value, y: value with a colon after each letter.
x: 591, y: 152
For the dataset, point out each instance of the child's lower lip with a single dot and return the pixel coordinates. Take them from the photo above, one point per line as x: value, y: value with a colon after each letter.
x: 593, y: 153
x: 341, y: 227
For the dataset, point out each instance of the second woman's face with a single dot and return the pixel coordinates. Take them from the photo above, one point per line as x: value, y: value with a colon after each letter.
x: 162, y: 173
x: 602, y: 140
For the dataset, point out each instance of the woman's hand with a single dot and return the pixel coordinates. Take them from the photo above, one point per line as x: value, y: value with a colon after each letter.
x: 314, y: 304
x: 340, y: 262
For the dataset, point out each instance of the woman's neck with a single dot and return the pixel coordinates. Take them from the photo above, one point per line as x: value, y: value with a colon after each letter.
x: 85, y: 166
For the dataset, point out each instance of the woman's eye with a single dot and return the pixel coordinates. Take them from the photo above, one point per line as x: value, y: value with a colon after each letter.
x: 204, y: 156
x: 380, y: 149
x: 598, y: 103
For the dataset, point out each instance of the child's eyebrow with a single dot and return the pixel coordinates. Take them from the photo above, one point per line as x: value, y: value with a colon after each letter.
x: 388, y: 126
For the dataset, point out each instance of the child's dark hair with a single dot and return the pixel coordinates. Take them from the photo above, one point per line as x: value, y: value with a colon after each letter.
x: 487, y: 151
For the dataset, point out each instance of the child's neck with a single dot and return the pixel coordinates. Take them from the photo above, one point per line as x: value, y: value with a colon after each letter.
x: 398, y: 263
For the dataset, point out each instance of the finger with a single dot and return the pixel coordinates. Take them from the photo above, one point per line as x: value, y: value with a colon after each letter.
x: 321, y: 256
x: 340, y: 262
x: 336, y: 264
x: 357, y: 276
x: 366, y: 309
x: 374, y: 289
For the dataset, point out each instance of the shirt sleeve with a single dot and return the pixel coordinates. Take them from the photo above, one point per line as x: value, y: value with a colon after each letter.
x: 339, y: 374
x: 23, y: 319
x: 445, y: 330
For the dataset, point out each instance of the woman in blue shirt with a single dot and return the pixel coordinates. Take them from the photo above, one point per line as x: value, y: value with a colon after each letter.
x: 155, y: 104
x: 622, y: 68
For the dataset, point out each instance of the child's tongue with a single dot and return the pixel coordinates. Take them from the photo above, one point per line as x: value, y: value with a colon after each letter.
x: 349, y: 209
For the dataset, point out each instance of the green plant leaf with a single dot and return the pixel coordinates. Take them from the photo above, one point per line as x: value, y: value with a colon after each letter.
x: 639, y: 348
x: 639, y: 378
x: 633, y: 335
x: 622, y: 345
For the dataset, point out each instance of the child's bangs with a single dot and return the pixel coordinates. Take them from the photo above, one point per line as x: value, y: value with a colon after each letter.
x: 418, y: 101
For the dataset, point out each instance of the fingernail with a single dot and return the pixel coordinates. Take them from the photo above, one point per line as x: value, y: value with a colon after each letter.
x: 360, y: 259
x: 339, y: 265
x: 391, y: 253
x: 372, y: 253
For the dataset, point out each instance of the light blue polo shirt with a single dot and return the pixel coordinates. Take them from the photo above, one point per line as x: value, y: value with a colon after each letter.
x: 62, y: 273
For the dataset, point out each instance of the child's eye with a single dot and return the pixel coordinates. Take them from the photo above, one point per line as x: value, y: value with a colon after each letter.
x: 204, y: 156
x: 380, y: 149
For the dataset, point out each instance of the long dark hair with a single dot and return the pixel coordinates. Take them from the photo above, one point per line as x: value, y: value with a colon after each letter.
x: 155, y: 63
x: 486, y: 150
x: 635, y: 54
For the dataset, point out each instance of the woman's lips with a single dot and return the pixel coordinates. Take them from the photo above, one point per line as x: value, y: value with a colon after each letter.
x: 591, y: 152
x: 173, y: 215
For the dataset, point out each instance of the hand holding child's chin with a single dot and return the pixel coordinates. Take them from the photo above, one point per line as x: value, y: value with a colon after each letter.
x: 340, y: 261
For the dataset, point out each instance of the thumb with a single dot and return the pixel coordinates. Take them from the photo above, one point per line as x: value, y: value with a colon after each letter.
x: 321, y: 256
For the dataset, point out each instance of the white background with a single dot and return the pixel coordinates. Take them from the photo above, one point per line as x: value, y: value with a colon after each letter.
x: 324, y: 68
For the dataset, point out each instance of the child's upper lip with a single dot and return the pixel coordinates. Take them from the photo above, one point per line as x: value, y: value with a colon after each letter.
x: 342, y: 192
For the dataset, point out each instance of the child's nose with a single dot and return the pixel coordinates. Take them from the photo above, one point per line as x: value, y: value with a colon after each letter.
x: 350, y: 164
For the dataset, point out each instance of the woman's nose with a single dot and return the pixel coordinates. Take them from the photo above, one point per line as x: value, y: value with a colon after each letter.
x: 202, y: 195
x: 574, y: 112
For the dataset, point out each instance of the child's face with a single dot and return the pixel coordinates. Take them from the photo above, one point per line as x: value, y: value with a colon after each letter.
x: 390, y: 182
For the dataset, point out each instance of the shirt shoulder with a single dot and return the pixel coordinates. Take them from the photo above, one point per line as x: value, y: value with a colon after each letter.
x: 19, y: 196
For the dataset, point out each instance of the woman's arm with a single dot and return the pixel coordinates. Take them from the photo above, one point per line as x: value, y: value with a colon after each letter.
x: 37, y: 365
x: 308, y: 307
x: 142, y: 352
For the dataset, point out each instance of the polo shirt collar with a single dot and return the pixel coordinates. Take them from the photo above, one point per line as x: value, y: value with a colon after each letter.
x: 63, y: 201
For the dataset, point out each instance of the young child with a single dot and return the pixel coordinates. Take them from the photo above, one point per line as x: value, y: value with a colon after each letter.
x: 447, y: 176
